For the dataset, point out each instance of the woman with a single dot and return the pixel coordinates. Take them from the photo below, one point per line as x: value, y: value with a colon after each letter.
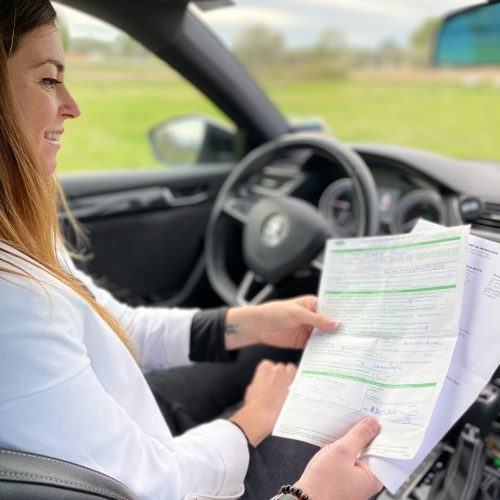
x: 70, y: 353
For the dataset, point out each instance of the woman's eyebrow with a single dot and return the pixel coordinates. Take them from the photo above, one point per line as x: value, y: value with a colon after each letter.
x: 59, y: 65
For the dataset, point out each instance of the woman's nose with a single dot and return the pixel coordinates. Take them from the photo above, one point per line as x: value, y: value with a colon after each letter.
x: 69, y: 107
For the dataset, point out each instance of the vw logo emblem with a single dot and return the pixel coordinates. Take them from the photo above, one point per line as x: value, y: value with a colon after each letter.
x: 274, y: 230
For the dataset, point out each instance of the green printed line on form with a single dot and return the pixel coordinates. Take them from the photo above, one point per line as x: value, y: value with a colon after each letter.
x: 395, y: 247
x: 367, y: 380
x: 379, y: 292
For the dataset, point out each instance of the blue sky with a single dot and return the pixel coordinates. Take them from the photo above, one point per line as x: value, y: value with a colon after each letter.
x: 365, y: 23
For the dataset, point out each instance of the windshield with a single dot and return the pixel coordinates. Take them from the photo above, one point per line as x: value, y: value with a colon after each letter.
x: 363, y: 67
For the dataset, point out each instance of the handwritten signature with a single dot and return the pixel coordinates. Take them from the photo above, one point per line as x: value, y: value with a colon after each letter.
x: 387, y: 366
x: 382, y: 411
x: 419, y: 342
x: 406, y: 419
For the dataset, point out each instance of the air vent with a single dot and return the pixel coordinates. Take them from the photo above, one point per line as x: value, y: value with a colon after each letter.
x: 489, y: 218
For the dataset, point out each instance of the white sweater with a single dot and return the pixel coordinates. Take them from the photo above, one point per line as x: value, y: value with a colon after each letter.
x: 70, y: 389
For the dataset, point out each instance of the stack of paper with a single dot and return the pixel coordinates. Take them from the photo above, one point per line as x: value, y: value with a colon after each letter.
x: 406, y: 352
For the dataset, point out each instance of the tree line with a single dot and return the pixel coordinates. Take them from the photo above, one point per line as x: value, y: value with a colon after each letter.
x: 263, y: 50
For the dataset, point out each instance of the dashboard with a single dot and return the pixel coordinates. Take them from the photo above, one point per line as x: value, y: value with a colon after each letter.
x: 399, y: 207
x: 411, y: 184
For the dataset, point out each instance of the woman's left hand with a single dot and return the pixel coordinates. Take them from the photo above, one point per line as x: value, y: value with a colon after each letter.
x: 284, y: 323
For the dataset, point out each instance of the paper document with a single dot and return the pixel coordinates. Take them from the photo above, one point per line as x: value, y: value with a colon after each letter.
x: 398, y: 299
x: 476, y: 356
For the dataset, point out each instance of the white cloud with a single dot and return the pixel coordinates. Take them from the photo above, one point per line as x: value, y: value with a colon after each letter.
x: 393, y: 8
x: 83, y: 25
x: 248, y: 15
x: 364, y: 22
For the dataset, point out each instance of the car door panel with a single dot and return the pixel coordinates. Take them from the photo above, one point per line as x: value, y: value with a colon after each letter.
x: 146, y: 230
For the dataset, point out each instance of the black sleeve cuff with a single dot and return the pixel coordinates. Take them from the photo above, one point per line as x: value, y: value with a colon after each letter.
x: 207, y: 336
x: 244, y: 434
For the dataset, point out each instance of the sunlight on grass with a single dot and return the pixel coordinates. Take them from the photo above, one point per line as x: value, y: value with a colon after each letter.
x: 446, y: 118
x: 120, y: 104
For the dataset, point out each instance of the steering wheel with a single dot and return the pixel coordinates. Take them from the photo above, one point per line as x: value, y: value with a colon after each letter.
x: 281, y: 234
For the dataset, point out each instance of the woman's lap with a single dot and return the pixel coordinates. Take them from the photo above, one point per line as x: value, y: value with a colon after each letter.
x: 275, y: 462
x: 204, y: 391
x: 195, y: 394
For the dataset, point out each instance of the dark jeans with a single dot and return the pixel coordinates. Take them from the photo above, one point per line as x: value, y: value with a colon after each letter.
x: 192, y: 395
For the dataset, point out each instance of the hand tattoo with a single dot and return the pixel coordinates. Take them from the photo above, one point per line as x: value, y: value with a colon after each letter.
x: 232, y: 330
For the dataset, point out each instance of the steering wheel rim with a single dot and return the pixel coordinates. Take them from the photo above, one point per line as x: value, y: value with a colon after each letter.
x: 353, y: 165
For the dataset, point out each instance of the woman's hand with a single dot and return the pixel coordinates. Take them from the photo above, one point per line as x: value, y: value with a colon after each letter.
x: 335, y: 473
x: 284, y: 323
x: 264, y: 399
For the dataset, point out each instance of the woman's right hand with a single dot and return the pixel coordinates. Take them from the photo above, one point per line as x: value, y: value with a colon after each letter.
x: 335, y: 473
x: 264, y: 399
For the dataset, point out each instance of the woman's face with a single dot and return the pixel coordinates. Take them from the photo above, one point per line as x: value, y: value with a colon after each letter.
x: 36, y: 74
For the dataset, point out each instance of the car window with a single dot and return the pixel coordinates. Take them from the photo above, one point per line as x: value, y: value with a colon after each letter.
x: 363, y: 68
x: 123, y: 91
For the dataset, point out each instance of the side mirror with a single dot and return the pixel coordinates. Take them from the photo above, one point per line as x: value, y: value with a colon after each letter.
x: 470, y: 37
x: 193, y: 139
x: 313, y: 125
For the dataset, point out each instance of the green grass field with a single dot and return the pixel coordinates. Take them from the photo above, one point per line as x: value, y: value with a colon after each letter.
x: 119, y: 105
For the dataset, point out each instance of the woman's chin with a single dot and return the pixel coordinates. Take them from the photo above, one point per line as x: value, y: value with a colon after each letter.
x: 49, y: 167
x: 48, y: 156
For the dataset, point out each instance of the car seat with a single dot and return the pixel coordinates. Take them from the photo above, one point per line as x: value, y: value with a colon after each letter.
x: 26, y: 476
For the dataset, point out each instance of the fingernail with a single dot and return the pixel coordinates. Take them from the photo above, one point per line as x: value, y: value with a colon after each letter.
x: 333, y: 323
x: 372, y: 424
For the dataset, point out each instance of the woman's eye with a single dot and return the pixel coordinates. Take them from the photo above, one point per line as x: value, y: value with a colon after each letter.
x: 50, y: 82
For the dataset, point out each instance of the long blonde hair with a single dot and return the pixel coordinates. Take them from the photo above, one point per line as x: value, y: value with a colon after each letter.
x: 29, y: 197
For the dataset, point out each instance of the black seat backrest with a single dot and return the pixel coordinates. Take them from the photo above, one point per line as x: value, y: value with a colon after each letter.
x: 26, y: 476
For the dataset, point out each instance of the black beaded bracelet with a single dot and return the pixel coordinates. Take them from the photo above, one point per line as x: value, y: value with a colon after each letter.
x: 296, y: 492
